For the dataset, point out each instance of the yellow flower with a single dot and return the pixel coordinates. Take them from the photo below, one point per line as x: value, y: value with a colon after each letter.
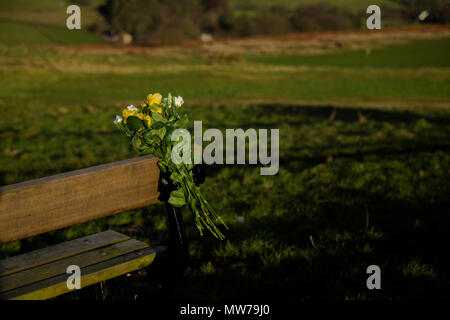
x: 155, y: 98
x: 149, y: 120
x: 142, y: 116
x: 156, y: 109
x: 127, y: 113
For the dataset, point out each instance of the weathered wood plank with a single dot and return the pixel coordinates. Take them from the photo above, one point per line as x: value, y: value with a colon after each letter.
x: 92, y: 274
x: 58, y: 267
x: 59, y: 251
x: 42, y: 205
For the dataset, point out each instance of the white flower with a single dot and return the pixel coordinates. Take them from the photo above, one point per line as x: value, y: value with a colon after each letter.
x: 132, y: 108
x: 118, y: 120
x: 179, y: 101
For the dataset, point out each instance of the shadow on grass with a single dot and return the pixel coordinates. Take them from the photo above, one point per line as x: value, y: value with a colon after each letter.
x: 356, y: 187
x: 321, y: 249
x: 252, y: 115
x: 325, y: 255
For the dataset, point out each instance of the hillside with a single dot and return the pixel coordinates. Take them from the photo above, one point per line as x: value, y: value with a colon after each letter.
x: 44, y: 22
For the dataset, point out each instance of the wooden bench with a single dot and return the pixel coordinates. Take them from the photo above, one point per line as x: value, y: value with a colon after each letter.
x: 46, y: 204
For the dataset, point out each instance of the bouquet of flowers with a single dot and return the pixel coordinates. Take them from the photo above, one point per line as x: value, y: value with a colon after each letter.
x: 150, y: 129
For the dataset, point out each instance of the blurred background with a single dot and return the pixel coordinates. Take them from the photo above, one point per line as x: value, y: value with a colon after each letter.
x: 364, y: 123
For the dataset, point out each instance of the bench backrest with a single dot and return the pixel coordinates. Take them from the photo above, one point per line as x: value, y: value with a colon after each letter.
x: 46, y: 204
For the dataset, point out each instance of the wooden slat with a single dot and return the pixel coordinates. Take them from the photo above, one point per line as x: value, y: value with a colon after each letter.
x: 42, y: 205
x: 59, y: 267
x: 60, y: 251
x: 89, y: 275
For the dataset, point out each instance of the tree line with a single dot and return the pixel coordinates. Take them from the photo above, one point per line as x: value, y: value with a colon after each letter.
x: 171, y: 21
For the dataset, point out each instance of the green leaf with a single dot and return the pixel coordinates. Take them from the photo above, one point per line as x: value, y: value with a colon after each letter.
x: 175, y: 176
x: 169, y: 100
x: 134, y: 123
x: 150, y: 138
x: 168, y: 155
x: 147, y: 150
x: 160, y: 132
x: 158, y: 117
x: 121, y: 126
x: 177, y: 198
x: 162, y: 166
x: 136, y: 141
x: 191, y: 183
x: 182, y: 122
x: 169, y: 135
x: 157, y: 125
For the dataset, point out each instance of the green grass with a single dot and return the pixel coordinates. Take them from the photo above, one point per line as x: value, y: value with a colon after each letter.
x: 12, y: 33
x: 47, y: 12
x: 40, y: 87
x: 44, y: 22
x: 387, y: 74
x: 16, y: 34
x: 424, y: 53
x: 368, y: 185
x: 66, y: 36
x: 13, y: 4
x: 392, y: 167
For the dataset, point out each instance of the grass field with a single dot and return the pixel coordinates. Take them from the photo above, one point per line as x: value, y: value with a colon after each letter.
x: 364, y: 159
x: 418, y: 54
x: 12, y: 33
x: 44, y: 22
